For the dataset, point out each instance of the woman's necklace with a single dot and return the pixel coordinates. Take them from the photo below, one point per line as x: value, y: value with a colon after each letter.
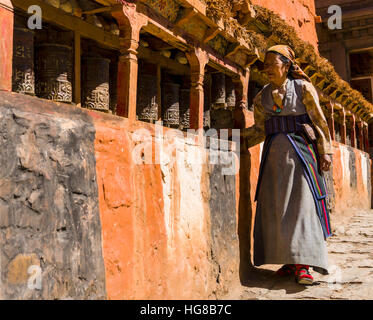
x: 277, y: 108
x: 278, y: 95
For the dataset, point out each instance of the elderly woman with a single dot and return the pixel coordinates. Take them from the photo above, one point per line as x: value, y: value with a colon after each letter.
x: 292, y: 219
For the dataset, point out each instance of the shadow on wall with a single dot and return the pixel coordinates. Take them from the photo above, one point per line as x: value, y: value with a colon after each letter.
x: 245, y: 216
x: 245, y: 205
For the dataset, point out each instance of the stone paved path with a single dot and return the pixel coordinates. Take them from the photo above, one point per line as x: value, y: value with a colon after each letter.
x: 350, y: 266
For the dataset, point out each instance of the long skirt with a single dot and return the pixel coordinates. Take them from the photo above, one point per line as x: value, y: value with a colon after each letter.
x: 287, y: 227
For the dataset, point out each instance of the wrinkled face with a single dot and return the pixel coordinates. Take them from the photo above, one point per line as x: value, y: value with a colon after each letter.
x: 275, y: 69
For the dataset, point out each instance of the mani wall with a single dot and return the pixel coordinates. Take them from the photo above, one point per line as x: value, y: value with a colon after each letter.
x: 78, y: 213
x: 74, y: 202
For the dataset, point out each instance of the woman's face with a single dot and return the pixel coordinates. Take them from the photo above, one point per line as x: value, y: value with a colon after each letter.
x: 275, y: 69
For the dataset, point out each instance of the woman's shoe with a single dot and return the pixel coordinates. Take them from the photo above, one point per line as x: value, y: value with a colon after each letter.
x: 302, y: 274
x: 286, y: 270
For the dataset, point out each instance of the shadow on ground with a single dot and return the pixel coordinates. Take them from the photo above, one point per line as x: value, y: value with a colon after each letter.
x: 260, y: 278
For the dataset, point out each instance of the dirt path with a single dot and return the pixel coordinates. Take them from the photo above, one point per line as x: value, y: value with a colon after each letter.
x: 350, y: 266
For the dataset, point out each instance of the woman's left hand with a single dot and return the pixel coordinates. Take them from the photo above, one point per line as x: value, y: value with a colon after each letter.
x: 325, y: 162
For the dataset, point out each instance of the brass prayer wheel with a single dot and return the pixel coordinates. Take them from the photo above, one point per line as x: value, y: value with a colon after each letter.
x: 95, y: 82
x: 23, y: 80
x: 170, y: 104
x: 206, y: 100
x: 184, y: 108
x: 147, y: 106
x: 54, y: 72
x: 230, y: 96
x: 185, y: 104
x: 218, y: 94
x: 113, y: 86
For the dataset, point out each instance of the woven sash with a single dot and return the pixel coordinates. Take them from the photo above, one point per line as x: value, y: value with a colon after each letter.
x: 285, y: 124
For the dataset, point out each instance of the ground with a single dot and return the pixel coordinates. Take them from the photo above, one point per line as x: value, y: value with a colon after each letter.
x: 350, y: 267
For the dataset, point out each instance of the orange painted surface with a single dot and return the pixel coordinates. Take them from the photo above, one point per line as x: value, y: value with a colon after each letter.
x: 255, y: 163
x: 297, y: 13
x: 130, y: 199
x: 6, y: 48
x: 151, y: 250
x: 348, y: 195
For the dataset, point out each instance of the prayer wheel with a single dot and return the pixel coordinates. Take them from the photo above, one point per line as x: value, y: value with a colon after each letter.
x: 113, y: 85
x: 170, y: 104
x: 54, y: 69
x: 147, y: 105
x: 185, y: 105
x: 23, y: 80
x: 207, y: 100
x: 229, y: 92
x: 221, y: 118
x: 218, y: 94
x: 95, y: 82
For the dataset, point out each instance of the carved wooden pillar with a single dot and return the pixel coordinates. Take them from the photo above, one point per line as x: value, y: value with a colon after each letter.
x: 241, y: 87
x: 6, y: 45
x: 353, y: 131
x: 197, y: 60
x: 130, y: 23
x: 359, y: 134
x: 343, y: 126
x: 331, y: 125
x: 366, y: 137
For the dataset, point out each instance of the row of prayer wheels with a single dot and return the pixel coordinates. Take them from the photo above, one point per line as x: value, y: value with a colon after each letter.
x: 50, y: 75
x: 175, y: 97
x: 219, y: 98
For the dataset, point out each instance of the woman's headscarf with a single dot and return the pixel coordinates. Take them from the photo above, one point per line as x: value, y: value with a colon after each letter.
x: 296, y: 72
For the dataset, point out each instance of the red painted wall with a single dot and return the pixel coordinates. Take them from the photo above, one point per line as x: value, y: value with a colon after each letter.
x: 155, y: 218
x: 298, y: 13
x: 6, y: 44
x: 352, y: 180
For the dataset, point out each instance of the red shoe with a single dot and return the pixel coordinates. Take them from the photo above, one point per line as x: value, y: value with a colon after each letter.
x: 286, y: 270
x: 302, y: 274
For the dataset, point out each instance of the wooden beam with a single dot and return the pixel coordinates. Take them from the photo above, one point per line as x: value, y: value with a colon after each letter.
x: 195, y: 4
x: 106, y: 2
x: 234, y: 51
x: 99, y: 10
x: 211, y: 33
x: 166, y: 63
x: 62, y: 19
x: 187, y: 15
x: 251, y: 58
x: 162, y: 28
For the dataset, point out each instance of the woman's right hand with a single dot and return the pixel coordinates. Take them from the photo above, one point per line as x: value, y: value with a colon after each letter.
x: 325, y: 162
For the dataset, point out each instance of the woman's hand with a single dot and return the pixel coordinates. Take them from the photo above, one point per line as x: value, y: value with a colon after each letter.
x: 325, y: 162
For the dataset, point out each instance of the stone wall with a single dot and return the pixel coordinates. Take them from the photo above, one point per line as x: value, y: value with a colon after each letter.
x: 75, y: 205
x: 50, y: 226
